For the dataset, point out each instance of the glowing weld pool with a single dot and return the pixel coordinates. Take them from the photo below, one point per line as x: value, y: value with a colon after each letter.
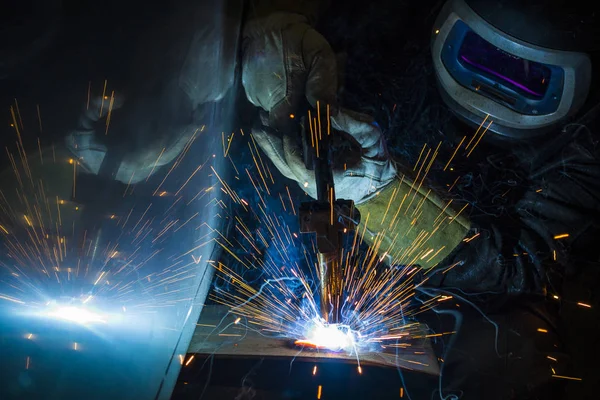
x: 333, y: 337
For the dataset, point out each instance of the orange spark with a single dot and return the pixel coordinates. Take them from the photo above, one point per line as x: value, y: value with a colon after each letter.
x: 189, y: 360
x: 567, y: 377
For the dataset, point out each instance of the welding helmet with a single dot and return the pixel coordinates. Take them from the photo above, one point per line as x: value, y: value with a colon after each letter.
x: 524, y: 67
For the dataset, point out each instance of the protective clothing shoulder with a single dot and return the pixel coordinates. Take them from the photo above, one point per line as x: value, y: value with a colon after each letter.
x: 311, y: 9
x: 410, y: 224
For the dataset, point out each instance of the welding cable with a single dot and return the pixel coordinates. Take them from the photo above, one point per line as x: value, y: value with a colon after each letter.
x: 402, y: 376
x: 457, y: 325
x: 432, y: 292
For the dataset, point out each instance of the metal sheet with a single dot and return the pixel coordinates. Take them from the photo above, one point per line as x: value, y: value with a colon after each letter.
x: 115, y: 325
x: 216, y: 334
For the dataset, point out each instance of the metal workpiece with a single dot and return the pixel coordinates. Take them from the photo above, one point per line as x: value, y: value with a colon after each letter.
x: 105, y: 283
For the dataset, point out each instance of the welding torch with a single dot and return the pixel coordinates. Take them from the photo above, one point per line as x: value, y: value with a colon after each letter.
x: 329, y: 218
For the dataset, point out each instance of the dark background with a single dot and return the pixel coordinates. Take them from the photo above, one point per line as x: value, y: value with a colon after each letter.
x: 51, y: 50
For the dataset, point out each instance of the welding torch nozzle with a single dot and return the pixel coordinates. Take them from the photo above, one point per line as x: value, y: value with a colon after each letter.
x: 330, y: 270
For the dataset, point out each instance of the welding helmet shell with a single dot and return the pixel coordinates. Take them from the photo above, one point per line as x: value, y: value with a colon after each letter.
x: 521, y: 66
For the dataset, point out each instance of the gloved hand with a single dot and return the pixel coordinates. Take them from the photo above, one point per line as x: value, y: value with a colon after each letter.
x: 179, y: 70
x: 86, y: 145
x: 286, y: 63
x: 365, y: 173
x: 83, y: 142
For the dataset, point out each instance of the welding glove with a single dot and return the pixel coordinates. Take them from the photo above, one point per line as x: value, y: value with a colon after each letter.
x: 179, y: 70
x: 86, y: 145
x: 285, y: 63
x: 357, y: 177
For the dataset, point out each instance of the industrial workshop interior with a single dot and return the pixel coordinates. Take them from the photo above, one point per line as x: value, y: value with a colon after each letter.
x: 299, y: 199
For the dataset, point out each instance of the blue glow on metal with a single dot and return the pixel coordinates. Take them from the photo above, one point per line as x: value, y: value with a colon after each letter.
x: 78, y: 315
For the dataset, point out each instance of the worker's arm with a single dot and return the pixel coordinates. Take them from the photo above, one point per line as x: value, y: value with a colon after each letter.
x: 285, y: 61
x: 403, y: 219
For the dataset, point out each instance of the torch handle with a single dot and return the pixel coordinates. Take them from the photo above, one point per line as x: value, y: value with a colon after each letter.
x: 316, y: 144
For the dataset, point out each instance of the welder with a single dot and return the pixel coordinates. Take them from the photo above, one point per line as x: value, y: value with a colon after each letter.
x: 492, y: 60
x: 567, y: 81
x: 527, y: 68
